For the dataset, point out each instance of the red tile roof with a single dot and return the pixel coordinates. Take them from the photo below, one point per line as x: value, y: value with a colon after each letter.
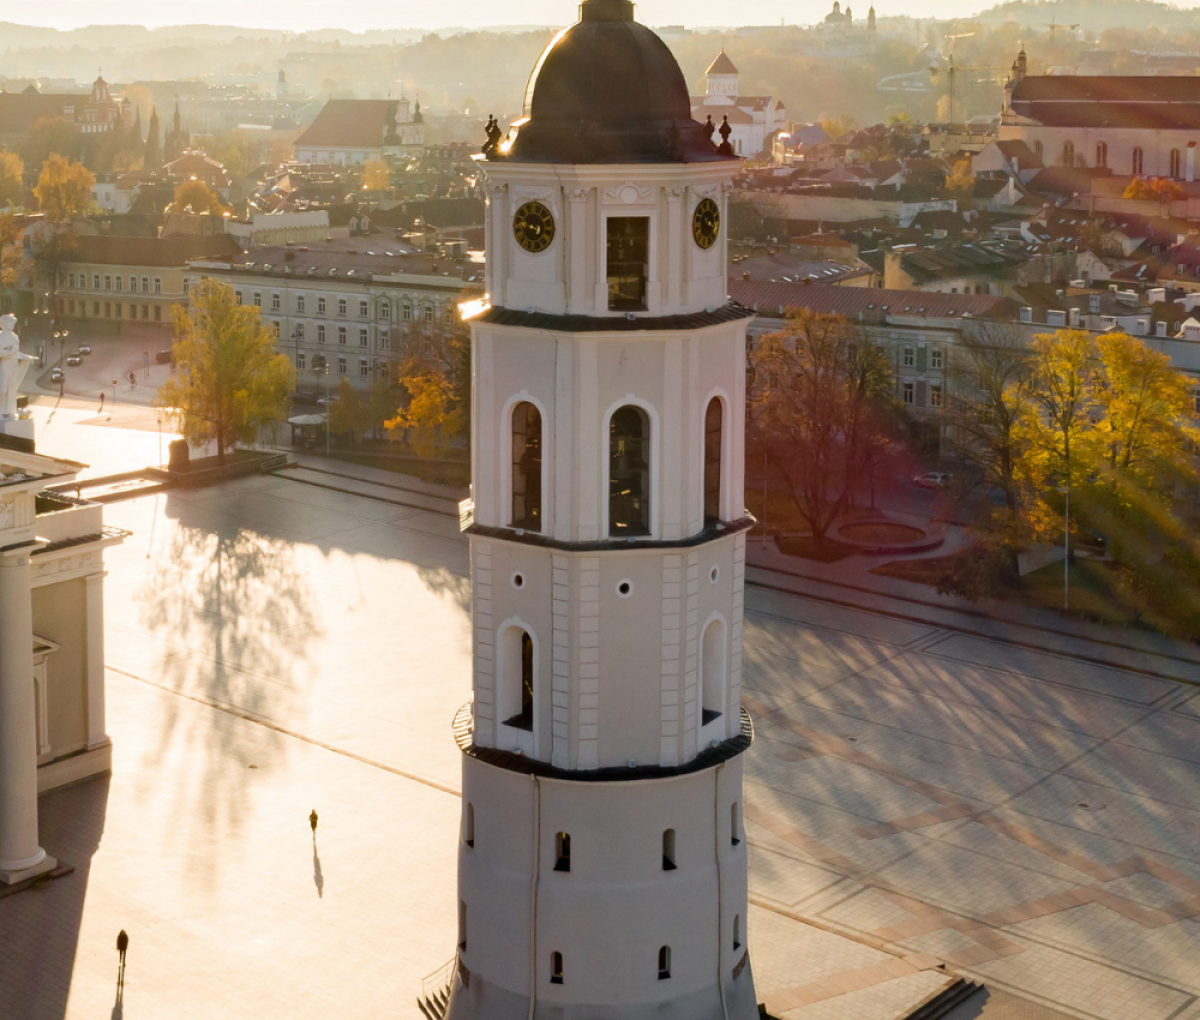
x: 348, y: 124
x: 111, y: 250
x: 872, y: 303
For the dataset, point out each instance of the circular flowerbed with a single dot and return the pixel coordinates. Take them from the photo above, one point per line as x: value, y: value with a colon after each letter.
x: 880, y: 532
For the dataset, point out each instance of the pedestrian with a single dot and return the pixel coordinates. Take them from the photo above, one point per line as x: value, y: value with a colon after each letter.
x: 312, y: 820
x: 122, y: 947
x: 102, y: 401
x: 122, y: 944
x: 132, y: 380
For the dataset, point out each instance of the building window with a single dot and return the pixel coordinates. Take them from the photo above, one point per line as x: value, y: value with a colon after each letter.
x: 385, y: 311
x: 628, y: 257
x: 910, y: 395
x: 385, y: 340
x: 364, y: 368
x: 298, y: 332
x: 95, y: 281
x: 516, y: 706
x: 406, y: 312
x: 1136, y: 163
x: 737, y: 932
x: 936, y: 357
x: 341, y: 366
x: 735, y: 824
x: 107, y: 310
x: 117, y: 285
x: 237, y: 297
x: 629, y: 472
x: 1175, y: 165
x: 1068, y: 153
x: 132, y: 284
x: 96, y: 309
x: 427, y: 313
x: 158, y: 285
x: 341, y: 306
x: 108, y: 283
x: 462, y: 925
x: 300, y: 360
x: 556, y: 969
x: 158, y: 317
x: 320, y: 332
x: 363, y: 309
x: 712, y: 461
x: 71, y: 280
x: 300, y: 303
x: 469, y: 825
x: 1101, y: 154
x: 712, y: 669
x: 935, y: 396
x: 257, y: 300
x: 320, y: 306
x: 527, y: 467
x: 910, y: 357
x: 562, y: 851
x: 341, y: 335
x: 117, y: 309
x: 664, y: 963
x: 145, y: 285
x: 362, y: 337
x: 448, y: 314
x: 274, y: 302
x: 133, y: 311
x: 668, y: 850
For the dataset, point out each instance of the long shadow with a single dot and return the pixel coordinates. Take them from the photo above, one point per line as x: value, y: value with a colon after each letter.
x: 234, y: 613
x: 45, y: 920
x: 318, y: 874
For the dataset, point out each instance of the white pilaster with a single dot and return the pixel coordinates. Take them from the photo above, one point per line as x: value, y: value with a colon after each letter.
x: 20, y: 855
x: 93, y: 666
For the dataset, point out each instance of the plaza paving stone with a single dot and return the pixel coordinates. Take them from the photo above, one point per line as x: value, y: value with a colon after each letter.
x: 914, y: 792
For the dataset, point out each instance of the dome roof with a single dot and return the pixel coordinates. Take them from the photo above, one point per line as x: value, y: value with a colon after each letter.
x: 607, y: 90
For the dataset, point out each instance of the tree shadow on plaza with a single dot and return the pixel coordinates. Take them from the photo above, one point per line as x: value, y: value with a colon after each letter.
x: 45, y: 920
x: 446, y: 583
x: 233, y: 617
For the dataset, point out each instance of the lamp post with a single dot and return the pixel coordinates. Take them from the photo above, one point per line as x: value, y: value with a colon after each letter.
x: 1065, y: 489
x: 327, y: 411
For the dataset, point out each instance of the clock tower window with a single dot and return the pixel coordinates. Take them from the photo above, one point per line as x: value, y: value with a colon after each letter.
x: 628, y: 262
x: 712, y: 461
x: 629, y: 473
x: 526, y: 467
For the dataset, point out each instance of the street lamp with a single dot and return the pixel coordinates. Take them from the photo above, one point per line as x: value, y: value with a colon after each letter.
x: 1065, y: 489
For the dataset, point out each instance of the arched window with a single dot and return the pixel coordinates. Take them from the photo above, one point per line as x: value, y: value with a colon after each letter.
x: 527, y: 467
x: 1175, y: 165
x: 712, y: 461
x: 737, y: 932
x: 1038, y: 151
x: 712, y: 672
x: 668, y: 850
x: 735, y: 823
x: 664, y: 963
x: 1101, y: 154
x: 562, y: 851
x: 1136, y: 163
x: 1068, y: 153
x: 556, y: 968
x: 629, y: 472
x: 462, y: 925
x: 516, y: 688
x: 469, y: 825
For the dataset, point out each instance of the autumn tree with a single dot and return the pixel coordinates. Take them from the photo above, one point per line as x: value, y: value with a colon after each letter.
x: 12, y: 179
x: 197, y: 196
x: 822, y: 400
x: 960, y: 182
x: 434, y: 376
x: 376, y: 176
x: 350, y: 414
x: 229, y: 380
x: 64, y: 189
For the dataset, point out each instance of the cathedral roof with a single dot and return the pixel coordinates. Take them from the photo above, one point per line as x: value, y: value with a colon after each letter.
x: 607, y: 90
x: 722, y: 65
x: 1154, y: 103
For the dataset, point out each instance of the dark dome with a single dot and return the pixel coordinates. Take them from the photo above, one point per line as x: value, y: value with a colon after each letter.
x: 607, y: 90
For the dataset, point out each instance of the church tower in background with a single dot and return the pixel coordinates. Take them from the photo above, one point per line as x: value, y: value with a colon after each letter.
x: 602, y: 859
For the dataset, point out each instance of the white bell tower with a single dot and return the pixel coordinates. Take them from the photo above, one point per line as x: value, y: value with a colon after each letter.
x: 602, y: 861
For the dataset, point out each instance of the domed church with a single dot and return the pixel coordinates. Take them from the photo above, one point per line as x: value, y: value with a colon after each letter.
x: 602, y: 854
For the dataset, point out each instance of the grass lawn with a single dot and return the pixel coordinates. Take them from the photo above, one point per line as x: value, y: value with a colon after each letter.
x: 828, y: 551
x: 456, y: 475
x: 927, y: 570
x: 881, y: 531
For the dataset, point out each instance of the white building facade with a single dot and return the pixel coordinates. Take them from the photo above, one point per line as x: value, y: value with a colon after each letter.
x: 602, y: 861
x: 754, y: 120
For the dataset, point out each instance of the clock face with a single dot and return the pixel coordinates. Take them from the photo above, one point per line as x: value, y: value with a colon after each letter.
x: 706, y: 223
x: 534, y: 227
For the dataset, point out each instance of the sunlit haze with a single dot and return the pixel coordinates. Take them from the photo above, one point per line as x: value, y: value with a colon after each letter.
x: 304, y: 15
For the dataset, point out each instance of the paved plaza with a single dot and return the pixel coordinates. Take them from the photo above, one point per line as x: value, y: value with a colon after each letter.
x: 919, y: 793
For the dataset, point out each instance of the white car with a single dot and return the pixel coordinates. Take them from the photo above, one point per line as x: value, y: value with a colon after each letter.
x: 933, y: 480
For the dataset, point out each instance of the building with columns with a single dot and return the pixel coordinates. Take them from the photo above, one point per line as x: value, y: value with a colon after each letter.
x: 52, y: 720
x: 602, y: 858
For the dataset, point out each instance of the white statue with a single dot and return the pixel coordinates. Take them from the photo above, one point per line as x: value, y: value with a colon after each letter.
x: 13, y: 366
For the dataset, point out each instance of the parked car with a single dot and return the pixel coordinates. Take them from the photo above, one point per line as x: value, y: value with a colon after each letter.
x: 74, y: 359
x: 933, y: 480
x: 57, y: 375
x: 85, y: 348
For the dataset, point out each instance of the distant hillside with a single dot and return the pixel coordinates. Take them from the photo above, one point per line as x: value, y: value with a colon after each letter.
x: 1092, y: 15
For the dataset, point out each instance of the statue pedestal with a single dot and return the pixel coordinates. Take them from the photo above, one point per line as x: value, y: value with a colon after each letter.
x: 20, y: 428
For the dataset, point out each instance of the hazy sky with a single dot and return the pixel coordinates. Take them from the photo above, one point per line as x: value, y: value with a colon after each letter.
x: 357, y: 15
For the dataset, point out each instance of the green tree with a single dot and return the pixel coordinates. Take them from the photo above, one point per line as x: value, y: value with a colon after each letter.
x: 823, y: 399
x: 12, y: 179
x: 229, y: 380
x: 350, y: 414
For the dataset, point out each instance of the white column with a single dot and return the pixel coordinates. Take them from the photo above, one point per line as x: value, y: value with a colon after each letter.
x: 20, y: 855
x: 93, y: 667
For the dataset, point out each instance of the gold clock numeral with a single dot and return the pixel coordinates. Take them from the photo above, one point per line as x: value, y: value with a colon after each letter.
x: 533, y: 227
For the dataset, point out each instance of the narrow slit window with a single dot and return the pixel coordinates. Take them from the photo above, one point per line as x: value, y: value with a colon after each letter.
x: 712, y: 672
x: 668, y: 850
x: 712, y: 462
x: 518, y: 667
x: 737, y: 932
x: 735, y: 823
x: 629, y: 473
x: 556, y: 968
x: 628, y: 252
x: 469, y: 826
x: 527, y: 467
x: 562, y: 851
x: 664, y: 963
x: 462, y: 925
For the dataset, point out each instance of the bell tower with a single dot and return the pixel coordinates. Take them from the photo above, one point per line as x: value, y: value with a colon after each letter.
x: 602, y: 859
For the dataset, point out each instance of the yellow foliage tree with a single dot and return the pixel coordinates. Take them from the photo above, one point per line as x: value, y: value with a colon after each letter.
x: 432, y: 412
x: 376, y: 176
x: 199, y: 196
x: 12, y: 179
x: 64, y: 189
x: 229, y: 381
x: 960, y: 182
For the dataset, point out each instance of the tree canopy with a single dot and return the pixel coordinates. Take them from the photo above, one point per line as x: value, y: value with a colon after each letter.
x: 64, y: 189
x: 229, y: 381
